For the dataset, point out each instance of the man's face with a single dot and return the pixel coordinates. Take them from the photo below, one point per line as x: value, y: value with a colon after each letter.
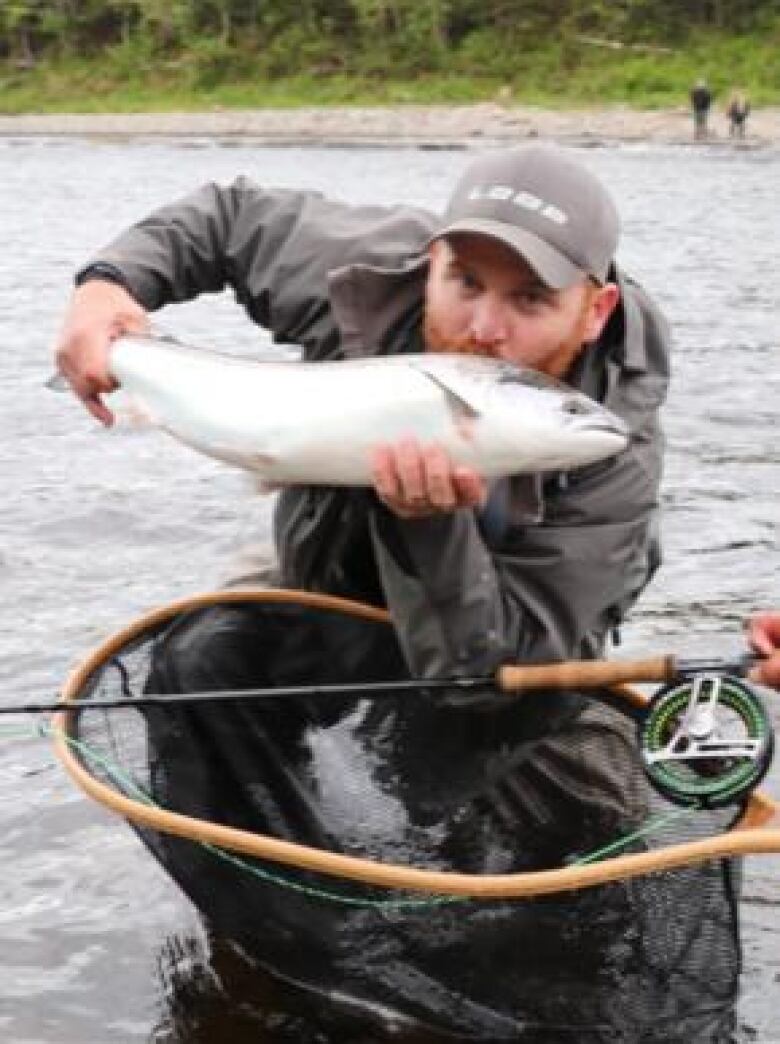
x: 481, y: 298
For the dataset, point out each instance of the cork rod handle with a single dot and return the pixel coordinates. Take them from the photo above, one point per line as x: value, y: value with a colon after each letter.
x: 585, y: 674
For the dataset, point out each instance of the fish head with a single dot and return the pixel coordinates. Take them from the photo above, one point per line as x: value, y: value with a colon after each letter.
x: 558, y: 426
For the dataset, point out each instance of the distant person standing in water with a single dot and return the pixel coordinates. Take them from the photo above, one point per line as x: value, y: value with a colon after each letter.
x: 738, y: 112
x: 701, y: 102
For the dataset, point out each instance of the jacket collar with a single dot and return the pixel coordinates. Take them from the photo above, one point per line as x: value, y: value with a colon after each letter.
x: 368, y: 300
x: 624, y: 335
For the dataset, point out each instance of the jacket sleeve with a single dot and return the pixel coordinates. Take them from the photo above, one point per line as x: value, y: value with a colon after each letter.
x: 547, y: 592
x: 219, y: 236
x: 276, y: 248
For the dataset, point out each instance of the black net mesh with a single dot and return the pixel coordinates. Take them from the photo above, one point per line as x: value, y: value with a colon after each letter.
x: 483, y: 785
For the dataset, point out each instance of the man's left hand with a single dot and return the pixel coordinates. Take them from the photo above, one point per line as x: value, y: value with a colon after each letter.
x: 415, y: 481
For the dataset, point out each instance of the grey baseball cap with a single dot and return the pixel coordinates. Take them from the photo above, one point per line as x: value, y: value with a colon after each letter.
x: 543, y: 205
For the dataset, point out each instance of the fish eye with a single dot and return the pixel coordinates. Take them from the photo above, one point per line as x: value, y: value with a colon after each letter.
x: 576, y: 407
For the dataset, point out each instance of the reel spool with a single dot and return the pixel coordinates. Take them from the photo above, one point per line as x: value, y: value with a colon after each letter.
x: 707, y: 741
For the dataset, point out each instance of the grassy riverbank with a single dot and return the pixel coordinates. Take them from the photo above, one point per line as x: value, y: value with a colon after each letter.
x: 567, y: 73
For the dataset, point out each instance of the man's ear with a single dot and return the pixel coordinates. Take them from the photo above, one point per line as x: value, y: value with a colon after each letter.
x: 603, y: 302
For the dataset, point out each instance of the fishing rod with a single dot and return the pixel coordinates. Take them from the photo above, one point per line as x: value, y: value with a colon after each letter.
x: 703, y: 739
x: 510, y: 679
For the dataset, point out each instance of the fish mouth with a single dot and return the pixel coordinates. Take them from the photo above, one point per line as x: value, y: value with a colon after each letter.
x: 609, y: 428
x: 605, y: 438
x: 588, y: 416
x: 604, y: 426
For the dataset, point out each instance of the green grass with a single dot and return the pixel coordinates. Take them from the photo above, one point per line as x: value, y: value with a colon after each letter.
x: 560, y: 74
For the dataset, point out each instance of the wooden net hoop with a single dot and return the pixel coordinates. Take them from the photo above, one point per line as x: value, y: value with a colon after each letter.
x: 756, y: 831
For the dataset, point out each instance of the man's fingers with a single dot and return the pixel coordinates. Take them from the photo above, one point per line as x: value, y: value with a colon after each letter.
x: 416, y: 482
x: 93, y: 402
x: 410, y: 468
x: 383, y: 473
x: 471, y: 488
x: 99, y: 410
x: 763, y: 636
x: 438, y: 479
x: 760, y: 643
x: 88, y: 386
x: 399, y: 477
x: 767, y: 672
x: 763, y: 633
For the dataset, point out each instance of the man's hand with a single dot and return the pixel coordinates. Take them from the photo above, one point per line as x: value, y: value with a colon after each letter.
x: 99, y: 312
x: 763, y: 635
x: 416, y: 481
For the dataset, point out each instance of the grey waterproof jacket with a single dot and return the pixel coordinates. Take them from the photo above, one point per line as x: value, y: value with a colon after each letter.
x: 554, y: 561
x: 497, y: 786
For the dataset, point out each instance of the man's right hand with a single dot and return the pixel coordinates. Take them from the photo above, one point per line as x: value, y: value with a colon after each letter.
x: 99, y: 312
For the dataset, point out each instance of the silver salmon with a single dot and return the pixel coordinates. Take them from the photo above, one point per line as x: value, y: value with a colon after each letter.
x: 315, y: 423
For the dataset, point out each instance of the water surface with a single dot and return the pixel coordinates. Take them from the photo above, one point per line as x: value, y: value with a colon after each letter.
x: 97, y: 527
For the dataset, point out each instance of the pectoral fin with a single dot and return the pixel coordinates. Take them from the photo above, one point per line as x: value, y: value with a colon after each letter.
x: 461, y: 399
x: 461, y: 403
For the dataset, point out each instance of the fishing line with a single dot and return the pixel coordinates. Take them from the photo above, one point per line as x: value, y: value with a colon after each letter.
x: 127, y: 785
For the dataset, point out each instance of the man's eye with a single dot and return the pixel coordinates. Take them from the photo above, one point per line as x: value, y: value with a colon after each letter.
x: 531, y: 299
x: 468, y: 282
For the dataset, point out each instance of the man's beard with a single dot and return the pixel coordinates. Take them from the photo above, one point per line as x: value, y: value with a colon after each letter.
x: 562, y: 355
x: 436, y: 340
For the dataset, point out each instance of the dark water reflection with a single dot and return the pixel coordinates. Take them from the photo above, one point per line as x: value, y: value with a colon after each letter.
x: 96, y: 527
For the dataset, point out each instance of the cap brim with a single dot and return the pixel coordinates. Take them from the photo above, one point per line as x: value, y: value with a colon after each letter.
x: 553, y: 268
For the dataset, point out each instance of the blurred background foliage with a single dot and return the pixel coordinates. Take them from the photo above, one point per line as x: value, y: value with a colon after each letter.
x: 134, y: 54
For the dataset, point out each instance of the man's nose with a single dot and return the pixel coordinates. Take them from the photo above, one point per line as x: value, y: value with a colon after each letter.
x: 488, y: 324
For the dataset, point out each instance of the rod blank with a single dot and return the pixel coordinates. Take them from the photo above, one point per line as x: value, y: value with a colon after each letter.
x: 510, y: 678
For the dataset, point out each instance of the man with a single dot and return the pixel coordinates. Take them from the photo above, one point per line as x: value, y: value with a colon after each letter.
x: 738, y: 111
x: 701, y: 102
x: 522, y: 269
x: 531, y: 568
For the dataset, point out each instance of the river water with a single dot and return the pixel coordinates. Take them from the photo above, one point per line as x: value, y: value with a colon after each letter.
x: 98, y: 526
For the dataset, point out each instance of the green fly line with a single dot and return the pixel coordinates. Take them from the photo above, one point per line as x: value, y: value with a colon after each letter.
x: 128, y: 786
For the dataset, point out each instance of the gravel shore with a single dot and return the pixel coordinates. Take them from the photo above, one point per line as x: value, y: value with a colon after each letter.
x: 414, y: 125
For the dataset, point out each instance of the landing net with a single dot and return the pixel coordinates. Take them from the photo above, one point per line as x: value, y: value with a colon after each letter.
x: 475, y: 786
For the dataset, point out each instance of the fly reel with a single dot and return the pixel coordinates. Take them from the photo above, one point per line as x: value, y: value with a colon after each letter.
x: 707, y: 741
